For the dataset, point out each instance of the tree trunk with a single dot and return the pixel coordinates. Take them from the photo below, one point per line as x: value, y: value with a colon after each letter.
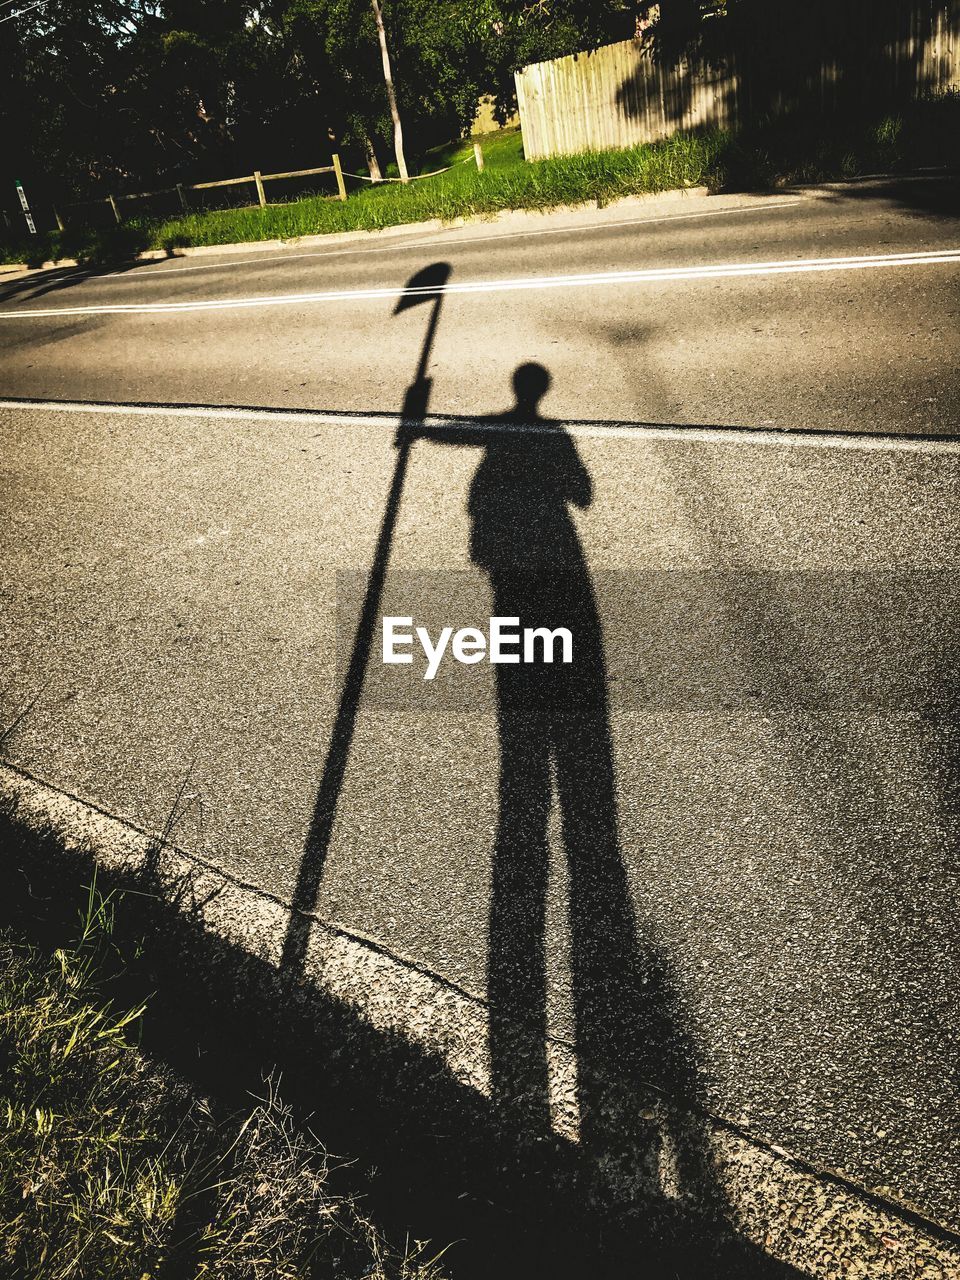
x: 391, y: 93
x: 373, y: 164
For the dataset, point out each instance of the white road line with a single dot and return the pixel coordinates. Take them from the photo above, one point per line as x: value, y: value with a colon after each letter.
x: 161, y: 270
x: 650, y: 275
x: 654, y: 275
x: 388, y: 423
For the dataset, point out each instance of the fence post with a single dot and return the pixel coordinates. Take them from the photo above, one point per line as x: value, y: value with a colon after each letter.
x: 339, y: 172
x: 478, y: 155
x: 183, y: 199
x: 113, y: 206
x: 260, y: 193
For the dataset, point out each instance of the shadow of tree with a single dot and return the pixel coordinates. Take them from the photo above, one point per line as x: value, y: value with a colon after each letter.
x: 36, y: 284
x: 929, y: 196
x: 813, y: 91
x: 789, y: 59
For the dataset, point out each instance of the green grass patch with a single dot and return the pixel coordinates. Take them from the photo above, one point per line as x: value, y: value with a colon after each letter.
x: 113, y: 1167
x: 501, y: 149
x: 91, y: 246
x: 507, y: 182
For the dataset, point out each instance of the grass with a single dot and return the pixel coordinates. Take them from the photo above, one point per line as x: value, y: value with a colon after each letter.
x: 506, y: 182
x: 765, y: 156
x: 111, y: 1166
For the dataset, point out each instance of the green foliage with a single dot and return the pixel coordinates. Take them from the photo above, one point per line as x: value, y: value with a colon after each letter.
x: 121, y: 95
x: 90, y: 246
x: 131, y: 95
x: 111, y: 1167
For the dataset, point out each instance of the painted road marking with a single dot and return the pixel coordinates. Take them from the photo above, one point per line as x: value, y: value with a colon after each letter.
x: 641, y: 431
x: 161, y: 270
x: 655, y: 275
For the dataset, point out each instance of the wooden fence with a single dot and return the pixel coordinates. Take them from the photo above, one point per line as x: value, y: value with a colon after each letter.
x: 256, y: 178
x: 620, y: 95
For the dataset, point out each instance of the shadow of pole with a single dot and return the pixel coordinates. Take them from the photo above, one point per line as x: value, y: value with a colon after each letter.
x: 425, y: 286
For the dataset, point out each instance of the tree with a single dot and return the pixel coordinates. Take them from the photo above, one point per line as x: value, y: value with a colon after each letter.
x: 391, y: 93
x: 437, y: 61
x: 517, y: 32
x: 127, y: 93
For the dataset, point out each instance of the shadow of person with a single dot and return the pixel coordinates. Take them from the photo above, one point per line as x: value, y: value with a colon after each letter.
x: 555, y: 739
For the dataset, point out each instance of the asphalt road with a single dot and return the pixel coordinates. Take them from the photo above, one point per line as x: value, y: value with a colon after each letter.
x: 875, y: 348
x: 778, y: 619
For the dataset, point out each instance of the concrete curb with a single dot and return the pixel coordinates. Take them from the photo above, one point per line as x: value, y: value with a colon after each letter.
x: 810, y: 1219
x: 645, y: 202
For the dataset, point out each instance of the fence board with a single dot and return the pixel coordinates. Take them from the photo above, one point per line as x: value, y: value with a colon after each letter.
x: 298, y: 173
x: 223, y: 182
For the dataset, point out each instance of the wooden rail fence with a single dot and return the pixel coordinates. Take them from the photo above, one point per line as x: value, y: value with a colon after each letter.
x: 256, y: 178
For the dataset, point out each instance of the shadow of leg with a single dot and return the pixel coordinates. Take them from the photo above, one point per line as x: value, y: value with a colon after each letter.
x: 516, y: 981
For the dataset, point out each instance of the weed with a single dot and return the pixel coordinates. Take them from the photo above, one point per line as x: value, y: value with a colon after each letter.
x: 110, y: 1166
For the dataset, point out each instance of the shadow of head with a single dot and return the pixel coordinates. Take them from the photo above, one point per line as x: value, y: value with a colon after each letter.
x: 531, y: 382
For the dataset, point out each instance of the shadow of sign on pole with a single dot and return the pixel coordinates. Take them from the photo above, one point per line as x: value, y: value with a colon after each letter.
x: 424, y: 287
